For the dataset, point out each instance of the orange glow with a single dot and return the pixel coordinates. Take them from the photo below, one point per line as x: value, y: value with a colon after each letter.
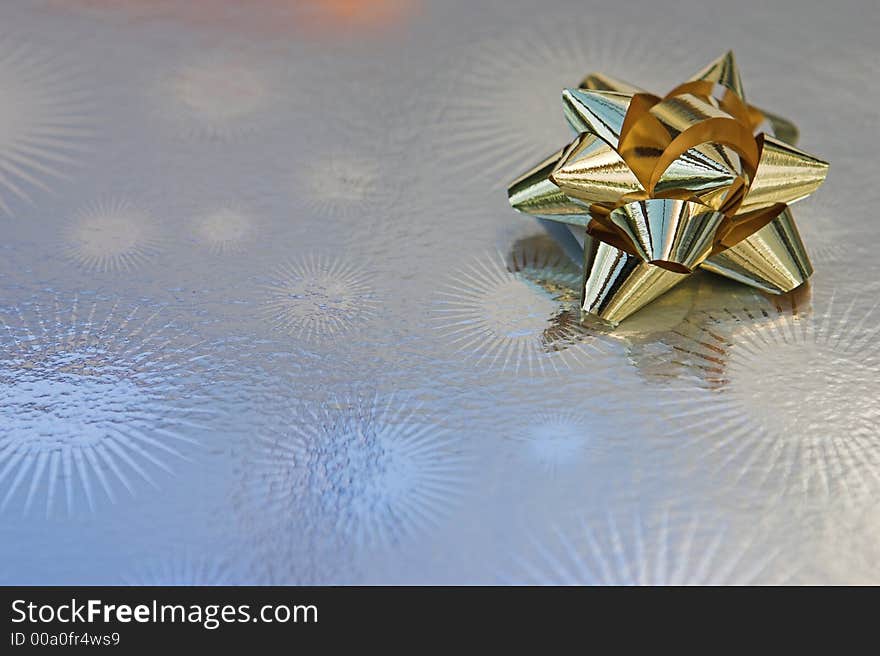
x: 317, y: 18
x: 335, y: 15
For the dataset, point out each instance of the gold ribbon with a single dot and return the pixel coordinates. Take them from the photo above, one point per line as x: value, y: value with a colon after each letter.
x: 661, y: 186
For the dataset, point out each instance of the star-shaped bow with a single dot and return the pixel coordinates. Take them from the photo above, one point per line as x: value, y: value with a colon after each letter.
x: 655, y: 187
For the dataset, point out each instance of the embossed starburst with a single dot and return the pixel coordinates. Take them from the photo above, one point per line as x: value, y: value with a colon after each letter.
x: 44, y: 120
x: 93, y: 398
x: 227, y: 230
x: 340, y: 184
x: 554, y: 440
x: 820, y: 225
x: 318, y: 298
x: 112, y: 235
x: 374, y: 472
x: 787, y: 403
x: 514, y: 314
x: 217, y: 96
x: 641, y: 552
x: 185, y: 569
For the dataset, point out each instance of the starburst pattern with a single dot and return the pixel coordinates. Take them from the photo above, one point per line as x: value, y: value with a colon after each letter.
x: 227, y: 230
x: 788, y: 400
x: 517, y: 314
x: 181, y: 570
x: 340, y: 184
x: 372, y: 472
x: 640, y: 552
x: 555, y: 440
x: 112, y: 236
x: 500, y: 116
x: 92, y: 398
x: 319, y: 298
x: 44, y: 121
x: 218, y: 96
x: 824, y: 229
x: 845, y: 546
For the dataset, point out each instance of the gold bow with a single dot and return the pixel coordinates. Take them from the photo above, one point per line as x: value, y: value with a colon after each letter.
x: 657, y: 187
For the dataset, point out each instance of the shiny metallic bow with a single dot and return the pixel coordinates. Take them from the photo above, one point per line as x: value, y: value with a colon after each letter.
x: 654, y: 188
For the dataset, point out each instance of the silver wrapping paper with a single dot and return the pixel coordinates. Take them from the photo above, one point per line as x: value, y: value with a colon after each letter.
x: 267, y: 317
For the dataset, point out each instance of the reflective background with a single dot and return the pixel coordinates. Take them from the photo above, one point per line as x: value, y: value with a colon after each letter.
x: 268, y: 318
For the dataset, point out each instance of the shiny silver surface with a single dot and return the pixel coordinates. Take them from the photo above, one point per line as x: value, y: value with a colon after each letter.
x: 267, y: 316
